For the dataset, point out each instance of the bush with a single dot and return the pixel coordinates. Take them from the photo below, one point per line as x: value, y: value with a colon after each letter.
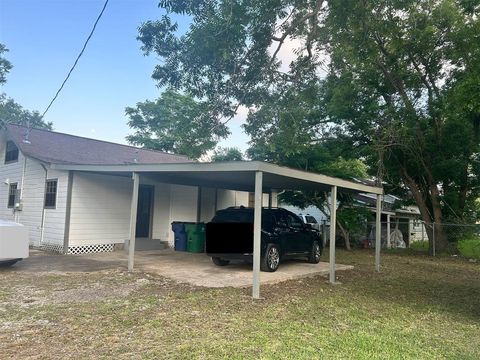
x: 419, y: 246
x: 470, y: 248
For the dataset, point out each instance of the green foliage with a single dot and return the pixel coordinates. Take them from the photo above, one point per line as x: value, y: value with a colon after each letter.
x: 470, y: 248
x: 13, y: 113
x: 401, y: 91
x: 5, y: 65
x: 174, y: 123
x: 420, y: 246
x: 227, y: 154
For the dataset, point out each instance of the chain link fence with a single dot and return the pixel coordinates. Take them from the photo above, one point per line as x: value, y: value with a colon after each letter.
x: 408, y: 233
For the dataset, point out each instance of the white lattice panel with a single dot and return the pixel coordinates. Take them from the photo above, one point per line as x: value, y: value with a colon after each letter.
x: 52, y: 248
x: 89, y: 249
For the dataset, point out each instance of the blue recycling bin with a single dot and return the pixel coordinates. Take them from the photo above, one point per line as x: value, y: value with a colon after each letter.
x: 178, y: 229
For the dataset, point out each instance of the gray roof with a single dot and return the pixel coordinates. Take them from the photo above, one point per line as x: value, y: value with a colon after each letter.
x: 58, y: 148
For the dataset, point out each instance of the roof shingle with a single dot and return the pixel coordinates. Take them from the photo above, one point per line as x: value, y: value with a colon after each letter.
x: 58, y: 148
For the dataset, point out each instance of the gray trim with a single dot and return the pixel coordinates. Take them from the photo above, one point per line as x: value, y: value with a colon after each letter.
x: 66, y: 234
x: 236, y: 166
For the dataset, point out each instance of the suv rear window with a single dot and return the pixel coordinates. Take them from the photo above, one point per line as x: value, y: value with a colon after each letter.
x: 244, y: 216
x: 233, y: 216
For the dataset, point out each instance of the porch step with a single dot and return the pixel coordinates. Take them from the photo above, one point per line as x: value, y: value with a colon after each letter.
x: 163, y: 245
x: 150, y: 244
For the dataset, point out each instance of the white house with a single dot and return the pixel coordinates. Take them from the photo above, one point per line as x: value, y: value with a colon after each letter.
x: 78, y: 212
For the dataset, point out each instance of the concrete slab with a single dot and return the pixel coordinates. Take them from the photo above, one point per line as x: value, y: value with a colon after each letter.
x: 195, y: 269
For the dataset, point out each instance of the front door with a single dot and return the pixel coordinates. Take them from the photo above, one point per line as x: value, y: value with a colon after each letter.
x: 144, y: 211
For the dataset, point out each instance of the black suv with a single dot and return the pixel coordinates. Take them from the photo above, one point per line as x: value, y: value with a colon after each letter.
x: 230, y: 236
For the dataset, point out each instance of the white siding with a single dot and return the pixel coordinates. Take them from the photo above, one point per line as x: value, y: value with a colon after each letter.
x: 11, y: 173
x: 183, y: 205
x: 54, y: 222
x: 100, y: 209
x: 30, y: 176
x: 208, y: 204
x: 33, y: 198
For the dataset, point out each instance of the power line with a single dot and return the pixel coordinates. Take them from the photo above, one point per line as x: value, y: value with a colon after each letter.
x: 78, y: 58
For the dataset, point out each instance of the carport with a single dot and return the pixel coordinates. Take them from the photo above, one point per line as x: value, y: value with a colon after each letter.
x: 252, y: 176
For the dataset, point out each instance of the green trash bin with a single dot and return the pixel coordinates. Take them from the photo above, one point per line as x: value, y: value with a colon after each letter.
x: 195, y: 237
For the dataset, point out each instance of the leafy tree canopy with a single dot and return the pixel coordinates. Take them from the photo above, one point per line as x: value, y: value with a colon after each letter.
x: 5, y: 65
x: 227, y: 154
x: 174, y: 123
x: 401, y: 90
x: 13, y: 113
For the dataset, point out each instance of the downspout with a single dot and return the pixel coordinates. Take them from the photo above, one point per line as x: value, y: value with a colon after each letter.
x: 17, y: 215
x: 43, y: 207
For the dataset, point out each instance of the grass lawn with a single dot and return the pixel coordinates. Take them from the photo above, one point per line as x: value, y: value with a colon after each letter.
x: 416, y: 308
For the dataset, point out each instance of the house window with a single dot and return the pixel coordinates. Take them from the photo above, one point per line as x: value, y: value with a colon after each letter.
x: 12, y: 192
x: 11, y: 152
x: 51, y: 194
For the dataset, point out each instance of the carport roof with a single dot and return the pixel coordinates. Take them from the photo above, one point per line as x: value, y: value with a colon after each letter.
x: 236, y: 175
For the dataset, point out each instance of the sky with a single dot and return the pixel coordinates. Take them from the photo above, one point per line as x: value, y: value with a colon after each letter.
x: 44, y: 39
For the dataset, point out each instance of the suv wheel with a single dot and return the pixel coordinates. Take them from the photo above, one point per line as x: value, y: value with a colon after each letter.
x: 219, y: 261
x: 315, y: 253
x: 271, y: 260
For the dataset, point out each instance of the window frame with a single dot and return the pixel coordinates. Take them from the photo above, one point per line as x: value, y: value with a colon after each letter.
x: 12, y: 205
x: 16, y: 149
x: 47, y: 181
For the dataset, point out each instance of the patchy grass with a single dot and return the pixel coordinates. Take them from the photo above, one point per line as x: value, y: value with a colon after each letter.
x: 417, y: 307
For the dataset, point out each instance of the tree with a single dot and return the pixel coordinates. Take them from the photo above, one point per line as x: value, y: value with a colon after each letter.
x: 5, y: 65
x: 174, y: 123
x: 397, y: 81
x: 10, y: 111
x: 227, y: 154
x: 401, y: 89
x: 13, y: 113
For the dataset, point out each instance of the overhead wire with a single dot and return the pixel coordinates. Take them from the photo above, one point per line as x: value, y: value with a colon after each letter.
x: 77, y: 59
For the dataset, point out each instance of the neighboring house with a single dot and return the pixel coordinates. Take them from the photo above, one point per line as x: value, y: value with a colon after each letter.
x: 81, y: 212
x: 406, y: 218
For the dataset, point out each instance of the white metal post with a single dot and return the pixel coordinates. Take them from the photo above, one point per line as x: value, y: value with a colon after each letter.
x: 333, y: 222
x: 133, y: 220
x: 257, y: 226
x: 389, y: 243
x: 378, y: 232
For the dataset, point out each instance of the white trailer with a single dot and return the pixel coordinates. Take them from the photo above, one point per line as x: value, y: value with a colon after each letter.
x: 13, y: 242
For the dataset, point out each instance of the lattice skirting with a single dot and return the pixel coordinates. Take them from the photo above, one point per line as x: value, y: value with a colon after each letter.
x: 52, y: 248
x: 89, y: 249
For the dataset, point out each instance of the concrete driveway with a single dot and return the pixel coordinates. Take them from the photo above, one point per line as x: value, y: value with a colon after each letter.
x: 195, y: 269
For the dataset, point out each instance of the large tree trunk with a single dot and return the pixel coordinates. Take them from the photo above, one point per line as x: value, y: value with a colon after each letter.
x: 346, y: 236
x: 439, y: 235
x: 433, y: 224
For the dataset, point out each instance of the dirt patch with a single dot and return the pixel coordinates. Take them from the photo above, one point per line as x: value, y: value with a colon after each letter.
x: 68, y: 288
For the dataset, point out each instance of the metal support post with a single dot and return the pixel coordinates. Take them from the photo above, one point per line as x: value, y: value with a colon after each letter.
x: 257, y: 226
x: 133, y: 220
x: 333, y: 222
